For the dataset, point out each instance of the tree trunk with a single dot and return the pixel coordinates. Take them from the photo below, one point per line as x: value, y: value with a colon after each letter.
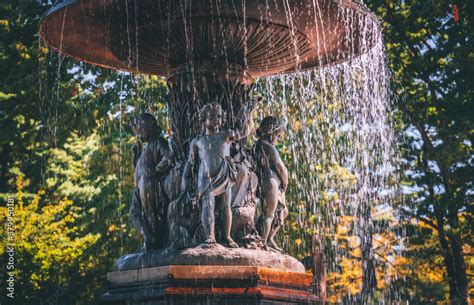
x: 451, y: 243
x: 448, y: 258
x: 460, y: 276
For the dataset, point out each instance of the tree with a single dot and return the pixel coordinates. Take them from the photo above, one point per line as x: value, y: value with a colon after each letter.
x: 430, y: 47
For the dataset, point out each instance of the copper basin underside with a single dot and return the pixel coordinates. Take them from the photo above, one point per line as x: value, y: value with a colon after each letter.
x: 157, y: 36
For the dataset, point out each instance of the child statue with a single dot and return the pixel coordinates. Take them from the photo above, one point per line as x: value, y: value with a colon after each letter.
x: 152, y: 162
x: 273, y: 179
x: 217, y: 172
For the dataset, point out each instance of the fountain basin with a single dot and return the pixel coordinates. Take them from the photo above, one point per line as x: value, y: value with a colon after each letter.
x: 215, y: 255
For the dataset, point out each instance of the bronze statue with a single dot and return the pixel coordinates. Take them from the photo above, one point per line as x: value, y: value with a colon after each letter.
x: 244, y: 199
x: 273, y: 179
x: 217, y: 172
x: 152, y: 163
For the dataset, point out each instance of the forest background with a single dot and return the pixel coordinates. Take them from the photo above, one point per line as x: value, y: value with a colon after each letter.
x: 65, y: 158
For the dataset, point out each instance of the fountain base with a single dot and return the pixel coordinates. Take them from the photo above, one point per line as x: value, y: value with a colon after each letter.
x: 183, y: 285
x: 210, y: 255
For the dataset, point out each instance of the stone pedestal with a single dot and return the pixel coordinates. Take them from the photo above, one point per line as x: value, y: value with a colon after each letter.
x: 208, y: 285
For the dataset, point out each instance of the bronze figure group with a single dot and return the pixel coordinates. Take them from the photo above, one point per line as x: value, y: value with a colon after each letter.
x: 212, y: 195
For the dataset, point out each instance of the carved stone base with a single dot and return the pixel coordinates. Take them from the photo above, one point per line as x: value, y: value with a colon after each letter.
x: 209, y: 285
x: 210, y: 255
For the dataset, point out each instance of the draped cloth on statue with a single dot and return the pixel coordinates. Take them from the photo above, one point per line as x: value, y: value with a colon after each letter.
x: 222, y: 181
x: 185, y: 210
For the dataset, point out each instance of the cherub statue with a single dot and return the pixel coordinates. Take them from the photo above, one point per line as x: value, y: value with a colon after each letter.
x: 273, y: 179
x: 217, y: 172
x: 152, y: 162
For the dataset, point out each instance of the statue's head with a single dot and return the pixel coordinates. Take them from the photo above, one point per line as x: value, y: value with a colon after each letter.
x: 145, y: 127
x: 212, y: 116
x: 271, y: 128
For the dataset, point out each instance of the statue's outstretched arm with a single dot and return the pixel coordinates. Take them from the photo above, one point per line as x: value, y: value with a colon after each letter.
x: 242, y: 133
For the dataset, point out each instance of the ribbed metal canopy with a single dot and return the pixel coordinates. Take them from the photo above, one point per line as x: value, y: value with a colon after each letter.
x: 265, y: 37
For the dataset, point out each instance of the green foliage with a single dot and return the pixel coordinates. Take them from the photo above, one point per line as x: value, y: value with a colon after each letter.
x: 50, y: 246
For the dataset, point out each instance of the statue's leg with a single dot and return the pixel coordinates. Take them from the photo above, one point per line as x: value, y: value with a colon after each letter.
x: 208, y: 217
x: 281, y: 216
x: 135, y: 213
x: 271, y: 242
x: 172, y: 216
x: 150, y: 215
x: 270, y: 201
x: 161, y: 207
x: 226, y: 212
x: 136, y: 216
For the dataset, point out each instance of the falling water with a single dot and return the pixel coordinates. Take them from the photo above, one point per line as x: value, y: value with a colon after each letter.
x: 339, y: 146
x: 341, y: 152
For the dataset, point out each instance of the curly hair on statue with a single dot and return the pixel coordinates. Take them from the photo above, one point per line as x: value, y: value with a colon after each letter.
x: 208, y: 107
x: 270, y: 125
x: 147, y: 120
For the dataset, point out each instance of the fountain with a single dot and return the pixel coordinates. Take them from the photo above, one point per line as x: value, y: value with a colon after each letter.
x: 211, y: 53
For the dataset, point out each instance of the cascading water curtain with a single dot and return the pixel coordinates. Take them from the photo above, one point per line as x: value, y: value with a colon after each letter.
x: 341, y: 153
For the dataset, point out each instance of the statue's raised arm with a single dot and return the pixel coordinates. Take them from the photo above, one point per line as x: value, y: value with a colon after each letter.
x: 243, y: 132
